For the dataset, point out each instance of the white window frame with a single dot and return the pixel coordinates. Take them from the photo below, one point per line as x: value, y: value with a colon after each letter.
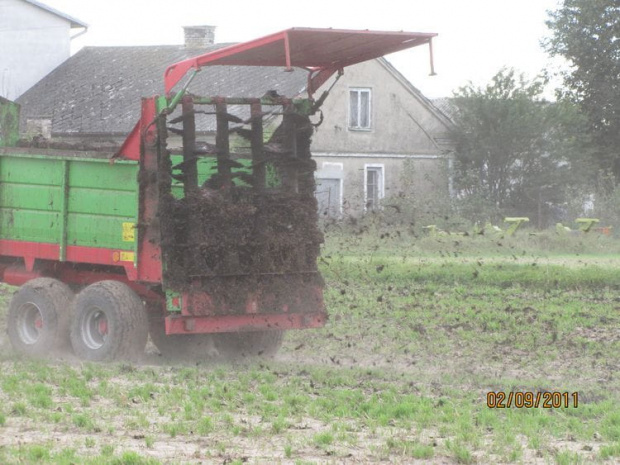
x: 381, y: 181
x: 341, y: 188
x: 360, y: 90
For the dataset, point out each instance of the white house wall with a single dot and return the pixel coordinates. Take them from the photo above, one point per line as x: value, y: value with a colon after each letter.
x: 402, y: 138
x: 404, y: 176
x: 400, y: 123
x: 32, y: 43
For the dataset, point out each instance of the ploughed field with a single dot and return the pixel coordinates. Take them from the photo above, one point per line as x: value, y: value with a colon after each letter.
x: 420, y: 331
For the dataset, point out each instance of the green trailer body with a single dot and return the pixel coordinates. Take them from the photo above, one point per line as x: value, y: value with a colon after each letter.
x: 80, y: 201
x: 50, y: 198
x: 67, y: 200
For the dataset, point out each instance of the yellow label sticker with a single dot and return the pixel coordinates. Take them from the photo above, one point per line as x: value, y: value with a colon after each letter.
x: 127, y: 256
x: 129, y: 232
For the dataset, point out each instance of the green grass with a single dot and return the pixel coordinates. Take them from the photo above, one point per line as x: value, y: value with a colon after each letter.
x: 460, y: 453
x: 84, y: 421
x: 610, y: 451
x: 323, y: 439
x: 43, y: 453
x: 409, y: 448
x: 205, y: 426
x: 419, y: 331
x: 149, y: 442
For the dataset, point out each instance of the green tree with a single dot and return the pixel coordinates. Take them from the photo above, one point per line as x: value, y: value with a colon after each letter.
x: 587, y: 34
x: 516, y: 153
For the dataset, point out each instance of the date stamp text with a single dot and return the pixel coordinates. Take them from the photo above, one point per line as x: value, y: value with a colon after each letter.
x: 529, y: 399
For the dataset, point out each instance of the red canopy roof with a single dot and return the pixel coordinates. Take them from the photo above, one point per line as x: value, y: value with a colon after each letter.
x: 318, y: 49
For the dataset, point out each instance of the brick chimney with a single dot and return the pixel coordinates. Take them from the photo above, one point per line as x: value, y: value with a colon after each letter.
x: 199, y: 36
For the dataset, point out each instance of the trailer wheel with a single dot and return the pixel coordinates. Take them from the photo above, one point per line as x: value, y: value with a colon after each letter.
x: 39, y: 316
x: 249, y: 344
x: 109, y: 323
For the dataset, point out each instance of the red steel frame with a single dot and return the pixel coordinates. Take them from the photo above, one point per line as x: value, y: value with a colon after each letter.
x: 322, y: 52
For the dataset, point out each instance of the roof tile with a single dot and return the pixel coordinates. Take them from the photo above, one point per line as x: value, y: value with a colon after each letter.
x: 99, y: 89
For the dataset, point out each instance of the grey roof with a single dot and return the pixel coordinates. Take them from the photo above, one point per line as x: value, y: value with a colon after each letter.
x: 446, y: 106
x: 74, y: 22
x: 99, y: 89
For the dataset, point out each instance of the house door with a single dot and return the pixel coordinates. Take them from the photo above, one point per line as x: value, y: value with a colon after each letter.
x: 328, y: 197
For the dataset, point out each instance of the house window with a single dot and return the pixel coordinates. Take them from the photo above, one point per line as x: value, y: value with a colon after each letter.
x: 329, y: 196
x: 359, y: 109
x: 373, y: 186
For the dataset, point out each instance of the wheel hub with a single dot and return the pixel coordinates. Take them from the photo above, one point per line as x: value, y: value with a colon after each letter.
x: 29, y: 323
x: 95, y: 328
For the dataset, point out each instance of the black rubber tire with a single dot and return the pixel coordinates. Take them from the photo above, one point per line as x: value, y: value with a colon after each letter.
x: 45, y: 302
x: 109, y: 323
x: 249, y: 344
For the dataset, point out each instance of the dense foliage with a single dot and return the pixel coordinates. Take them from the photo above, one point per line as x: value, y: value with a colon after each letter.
x: 517, y: 155
x: 587, y: 34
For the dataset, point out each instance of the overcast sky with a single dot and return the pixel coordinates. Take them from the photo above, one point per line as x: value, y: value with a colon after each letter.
x: 476, y: 37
